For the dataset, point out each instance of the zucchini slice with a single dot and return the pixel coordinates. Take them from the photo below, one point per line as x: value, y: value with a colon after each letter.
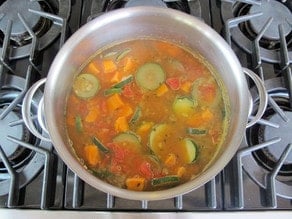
x: 191, y: 150
x: 183, y: 106
x: 127, y: 137
x: 86, y: 85
x: 150, y: 76
x: 165, y: 180
x: 156, y: 136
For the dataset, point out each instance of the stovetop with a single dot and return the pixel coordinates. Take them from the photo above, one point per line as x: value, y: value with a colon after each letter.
x: 32, y: 176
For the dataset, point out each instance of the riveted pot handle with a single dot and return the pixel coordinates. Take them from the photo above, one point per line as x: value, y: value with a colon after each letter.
x: 26, y: 111
x: 263, y: 97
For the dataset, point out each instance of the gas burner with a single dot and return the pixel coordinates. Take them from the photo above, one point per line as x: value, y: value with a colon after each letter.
x: 10, y: 11
x: 271, y: 9
x: 268, y: 156
x: 32, y: 12
x: 181, y: 5
x: 25, y: 162
x: 274, y: 125
x: 18, y: 156
x: 268, y: 14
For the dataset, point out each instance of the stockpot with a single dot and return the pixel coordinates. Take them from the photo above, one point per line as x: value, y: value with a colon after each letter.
x: 140, y: 22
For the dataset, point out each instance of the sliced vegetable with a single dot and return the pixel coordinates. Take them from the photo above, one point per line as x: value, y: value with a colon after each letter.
x: 129, y: 137
x: 196, y: 131
x: 114, y: 102
x: 146, y: 170
x: 100, y: 145
x: 93, y: 68
x: 191, y: 150
x: 181, y: 171
x: 121, y: 124
x: 144, y: 128
x: 157, y: 132
x: 109, y: 66
x: 161, y: 90
x: 122, y: 54
x: 110, y: 54
x: 205, y: 91
x: 92, y: 115
x: 123, y: 82
x: 135, y: 183
x: 78, y: 124
x: 170, y: 160
x: 186, y: 86
x: 92, y: 155
x: 112, y: 90
x: 173, y: 83
x: 166, y: 180
x: 86, y: 85
x: 183, y: 106
x: 126, y: 110
x: 136, y: 116
x: 150, y: 76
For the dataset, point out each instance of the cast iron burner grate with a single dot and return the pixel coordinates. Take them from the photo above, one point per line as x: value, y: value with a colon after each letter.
x: 21, y: 21
x: 264, y: 22
x: 182, y: 5
x: 22, y: 156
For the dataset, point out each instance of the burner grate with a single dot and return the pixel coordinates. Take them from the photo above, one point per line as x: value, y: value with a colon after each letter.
x: 251, y: 22
x: 22, y: 21
x: 80, y: 196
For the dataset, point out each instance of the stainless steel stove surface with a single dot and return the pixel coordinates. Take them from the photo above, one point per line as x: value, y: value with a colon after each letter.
x: 33, y: 177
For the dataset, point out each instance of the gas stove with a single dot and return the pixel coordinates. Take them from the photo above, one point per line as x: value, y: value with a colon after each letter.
x: 33, y: 177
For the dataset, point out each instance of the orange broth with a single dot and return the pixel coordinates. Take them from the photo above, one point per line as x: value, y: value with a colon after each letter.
x: 146, y: 114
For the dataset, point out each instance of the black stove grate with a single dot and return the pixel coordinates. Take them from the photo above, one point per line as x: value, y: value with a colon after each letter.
x: 54, y: 186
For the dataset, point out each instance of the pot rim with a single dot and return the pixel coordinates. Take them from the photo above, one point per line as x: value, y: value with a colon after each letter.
x: 74, y: 164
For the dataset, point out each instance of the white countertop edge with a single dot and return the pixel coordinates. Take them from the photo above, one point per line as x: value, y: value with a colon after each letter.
x: 69, y: 214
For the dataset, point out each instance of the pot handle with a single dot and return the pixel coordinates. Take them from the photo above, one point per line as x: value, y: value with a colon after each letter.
x: 263, y: 97
x: 26, y: 112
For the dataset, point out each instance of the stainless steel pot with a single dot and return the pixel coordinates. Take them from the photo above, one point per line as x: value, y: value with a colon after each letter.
x: 137, y: 22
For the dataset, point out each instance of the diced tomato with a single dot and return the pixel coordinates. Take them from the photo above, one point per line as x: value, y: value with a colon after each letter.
x: 127, y: 91
x: 208, y: 92
x: 145, y: 170
x: 173, y: 83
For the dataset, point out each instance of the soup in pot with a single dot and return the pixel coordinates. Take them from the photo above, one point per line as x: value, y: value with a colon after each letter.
x: 146, y: 114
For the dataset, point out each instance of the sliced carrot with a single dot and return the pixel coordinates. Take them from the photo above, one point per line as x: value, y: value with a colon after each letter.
x: 161, y: 90
x: 207, y: 115
x: 129, y: 65
x: 114, y: 102
x: 186, y: 86
x: 92, y: 68
x: 121, y: 124
x: 92, y: 115
x: 144, y: 128
x: 135, y: 183
x: 92, y: 155
x: 125, y: 111
x: 109, y: 66
x: 170, y: 160
x: 116, y: 77
x: 181, y: 171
